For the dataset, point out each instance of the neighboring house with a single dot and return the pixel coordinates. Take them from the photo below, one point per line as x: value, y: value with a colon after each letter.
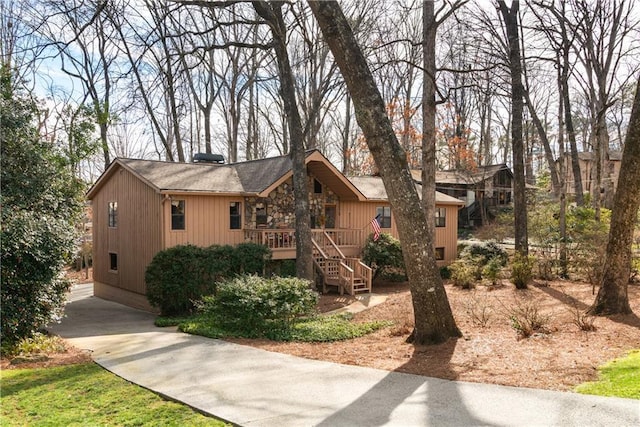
x: 141, y: 207
x: 586, y: 160
x: 481, y: 189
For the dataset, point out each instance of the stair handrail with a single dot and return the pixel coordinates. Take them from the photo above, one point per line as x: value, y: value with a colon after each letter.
x: 333, y: 244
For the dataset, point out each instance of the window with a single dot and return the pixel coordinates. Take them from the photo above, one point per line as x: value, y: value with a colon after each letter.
x: 317, y: 187
x: 113, y: 261
x: 383, y: 213
x: 441, y: 217
x: 261, y: 215
x: 177, y: 214
x: 235, y: 216
x: 113, y: 214
x: 439, y: 254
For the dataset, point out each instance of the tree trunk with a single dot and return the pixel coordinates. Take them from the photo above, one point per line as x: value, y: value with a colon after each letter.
x: 272, y: 13
x: 434, y: 322
x: 346, y: 169
x: 429, y: 117
x: 517, y: 91
x: 612, y: 297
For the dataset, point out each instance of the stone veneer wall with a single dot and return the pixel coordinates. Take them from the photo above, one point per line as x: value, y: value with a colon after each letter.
x: 280, y: 205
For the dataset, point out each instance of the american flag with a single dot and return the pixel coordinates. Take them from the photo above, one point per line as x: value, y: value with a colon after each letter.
x: 376, y: 228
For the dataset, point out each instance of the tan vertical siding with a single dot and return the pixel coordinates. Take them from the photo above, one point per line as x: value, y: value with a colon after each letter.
x: 136, y: 238
x: 358, y: 215
x: 206, y: 222
x: 447, y: 237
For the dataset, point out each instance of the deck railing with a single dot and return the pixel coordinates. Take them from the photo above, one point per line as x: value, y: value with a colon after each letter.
x: 272, y: 238
x: 284, y: 238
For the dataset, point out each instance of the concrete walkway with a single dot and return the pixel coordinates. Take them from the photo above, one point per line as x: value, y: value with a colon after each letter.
x: 252, y: 387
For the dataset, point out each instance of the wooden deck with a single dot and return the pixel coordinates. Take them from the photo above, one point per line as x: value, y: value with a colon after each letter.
x: 282, y: 241
x: 334, y: 253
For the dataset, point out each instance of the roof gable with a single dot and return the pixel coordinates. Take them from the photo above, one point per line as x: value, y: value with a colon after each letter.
x: 257, y: 177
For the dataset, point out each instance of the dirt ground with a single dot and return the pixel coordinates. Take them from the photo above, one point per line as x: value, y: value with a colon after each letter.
x: 558, y: 357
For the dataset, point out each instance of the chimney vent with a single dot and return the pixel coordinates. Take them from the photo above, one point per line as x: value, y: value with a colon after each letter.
x: 208, y: 158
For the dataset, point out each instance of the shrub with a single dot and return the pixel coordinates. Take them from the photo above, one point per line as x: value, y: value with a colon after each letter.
x: 476, y: 258
x: 445, y: 272
x: 40, y: 200
x: 521, y: 270
x: 253, y: 305
x: 219, y: 262
x: 491, y: 271
x: 178, y: 276
x: 479, y: 309
x: 35, y: 247
x: 526, y: 318
x: 485, y: 252
x: 251, y: 258
x: 586, y: 239
x: 463, y: 273
x: 383, y: 254
x: 281, y: 268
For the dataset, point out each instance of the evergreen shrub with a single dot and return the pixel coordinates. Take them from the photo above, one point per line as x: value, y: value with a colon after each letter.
x: 254, y: 305
x: 383, y: 255
x: 180, y: 275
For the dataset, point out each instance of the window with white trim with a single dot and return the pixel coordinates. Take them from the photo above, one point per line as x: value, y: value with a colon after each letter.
x: 113, y: 215
x: 177, y: 215
x: 441, y: 217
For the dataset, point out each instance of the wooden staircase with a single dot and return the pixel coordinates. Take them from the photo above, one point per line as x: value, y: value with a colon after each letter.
x: 348, y: 274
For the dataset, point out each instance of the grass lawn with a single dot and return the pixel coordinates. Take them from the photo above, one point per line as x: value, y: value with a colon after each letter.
x: 620, y: 377
x: 86, y: 395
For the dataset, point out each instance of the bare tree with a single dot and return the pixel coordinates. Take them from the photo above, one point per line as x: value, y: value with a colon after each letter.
x: 555, y: 27
x: 603, y: 33
x: 430, y: 24
x: 510, y: 16
x: 612, y: 297
x: 87, y: 54
x: 199, y: 66
x: 434, y: 320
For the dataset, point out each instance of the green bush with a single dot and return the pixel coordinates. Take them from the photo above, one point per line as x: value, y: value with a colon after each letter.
x: 485, y: 252
x: 491, y: 271
x: 463, y: 273
x: 251, y: 258
x: 445, y: 272
x: 586, y: 240
x: 254, y: 305
x: 383, y: 254
x: 178, y: 276
x: 219, y: 261
x: 40, y: 201
x: 521, y: 270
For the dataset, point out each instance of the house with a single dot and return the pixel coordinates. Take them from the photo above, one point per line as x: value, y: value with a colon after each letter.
x: 141, y: 207
x: 482, y: 189
x: 586, y: 160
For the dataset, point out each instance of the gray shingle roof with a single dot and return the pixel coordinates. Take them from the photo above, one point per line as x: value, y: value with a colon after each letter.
x: 251, y: 177
x: 257, y: 175
x: 186, y: 176
x: 373, y: 188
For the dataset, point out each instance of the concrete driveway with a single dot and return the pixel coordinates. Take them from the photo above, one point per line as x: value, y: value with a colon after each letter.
x: 252, y: 387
